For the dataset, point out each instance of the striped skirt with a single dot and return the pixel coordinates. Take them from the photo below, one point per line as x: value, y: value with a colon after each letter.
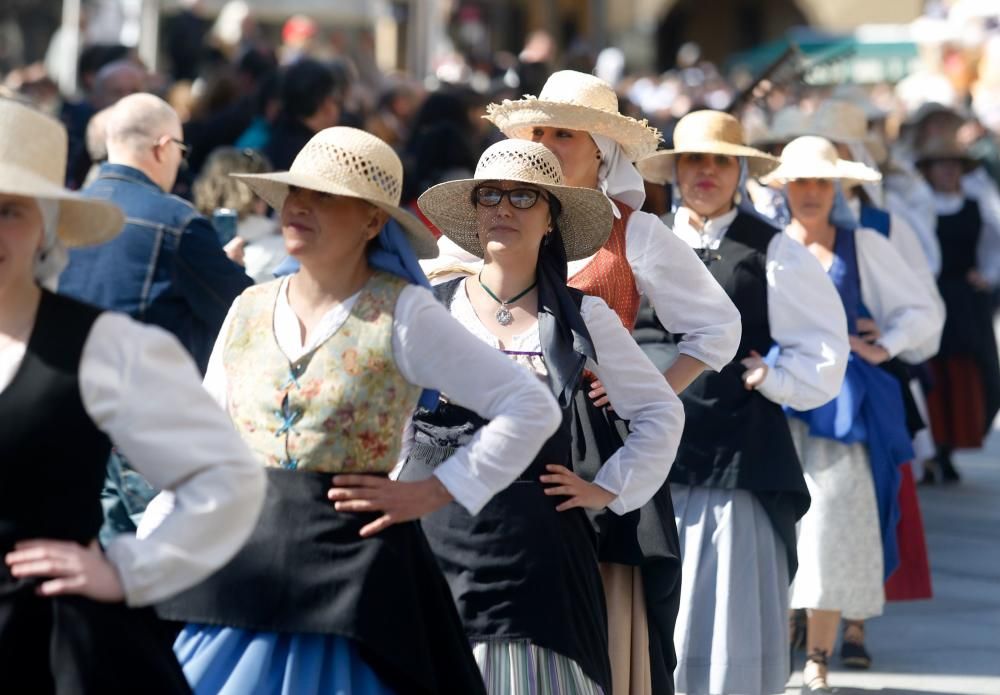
x: 522, y: 668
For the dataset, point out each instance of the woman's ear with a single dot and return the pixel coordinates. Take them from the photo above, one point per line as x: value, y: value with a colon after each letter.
x: 375, y: 223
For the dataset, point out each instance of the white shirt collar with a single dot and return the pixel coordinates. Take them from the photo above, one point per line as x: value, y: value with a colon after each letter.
x: 948, y: 203
x: 710, y: 235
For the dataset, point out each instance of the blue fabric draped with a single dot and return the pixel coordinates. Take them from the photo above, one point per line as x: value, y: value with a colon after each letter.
x: 876, y: 218
x: 390, y: 253
x: 869, y: 408
x: 227, y: 661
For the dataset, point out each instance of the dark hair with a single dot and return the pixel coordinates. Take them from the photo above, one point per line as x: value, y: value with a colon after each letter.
x: 306, y: 85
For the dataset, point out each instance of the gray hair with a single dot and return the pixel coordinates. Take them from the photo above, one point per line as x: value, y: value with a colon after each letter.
x: 137, y: 120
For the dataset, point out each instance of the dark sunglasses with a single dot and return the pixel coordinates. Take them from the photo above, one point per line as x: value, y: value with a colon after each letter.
x: 520, y: 198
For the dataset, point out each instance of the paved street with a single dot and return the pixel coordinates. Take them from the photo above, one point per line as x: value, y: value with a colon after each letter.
x: 951, y: 644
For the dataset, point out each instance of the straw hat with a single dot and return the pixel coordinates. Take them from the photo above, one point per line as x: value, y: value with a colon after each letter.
x: 576, y: 101
x: 844, y: 122
x: 586, y: 219
x: 352, y: 163
x: 705, y: 132
x: 788, y: 123
x: 937, y: 149
x: 33, y: 164
x: 813, y: 157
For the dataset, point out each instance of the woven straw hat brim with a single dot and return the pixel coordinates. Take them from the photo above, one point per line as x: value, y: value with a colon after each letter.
x: 273, y: 189
x: 659, y: 166
x: 82, y: 221
x: 515, y: 119
x: 585, y: 222
x: 968, y: 163
x: 850, y: 173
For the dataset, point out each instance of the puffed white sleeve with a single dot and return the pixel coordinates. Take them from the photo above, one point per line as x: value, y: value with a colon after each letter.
x: 919, y: 212
x: 143, y: 390
x: 982, y: 188
x: 642, y: 396
x: 215, y: 375
x: 433, y: 350
x: 685, y: 296
x: 809, y: 326
x: 904, y: 239
x: 904, y: 311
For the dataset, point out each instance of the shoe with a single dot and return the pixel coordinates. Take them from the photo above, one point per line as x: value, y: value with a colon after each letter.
x: 930, y: 475
x: 949, y: 474
x: 854, y: 655
x: 814, y: 675
x: 852, y: 648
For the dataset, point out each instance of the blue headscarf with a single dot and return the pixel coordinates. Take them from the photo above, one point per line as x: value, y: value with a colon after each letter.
x: 391, y: 252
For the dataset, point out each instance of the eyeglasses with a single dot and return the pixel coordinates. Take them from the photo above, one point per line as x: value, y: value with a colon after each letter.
x: 181, y: 145
x: 520, y: 198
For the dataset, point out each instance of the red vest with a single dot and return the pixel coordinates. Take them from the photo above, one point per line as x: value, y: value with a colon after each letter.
x: 609, y: 275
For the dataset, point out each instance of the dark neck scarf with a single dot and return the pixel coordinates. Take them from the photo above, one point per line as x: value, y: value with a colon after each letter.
x: 564, y: 338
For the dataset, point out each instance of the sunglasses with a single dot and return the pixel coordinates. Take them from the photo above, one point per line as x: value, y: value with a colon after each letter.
x: 520, y: 198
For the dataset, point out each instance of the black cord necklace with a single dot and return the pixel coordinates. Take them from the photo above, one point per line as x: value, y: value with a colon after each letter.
x: 503, y: 315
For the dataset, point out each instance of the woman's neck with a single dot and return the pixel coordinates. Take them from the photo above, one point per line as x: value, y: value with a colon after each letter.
x: 507, y: 279
x: 822, y: 233
x: 18, y: 307
x: 698, y: 221
x: 318, y: 285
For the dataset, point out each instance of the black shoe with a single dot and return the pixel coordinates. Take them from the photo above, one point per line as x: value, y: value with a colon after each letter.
x: 854, y: 655
x: 930, y: 473
x: 949, y: 474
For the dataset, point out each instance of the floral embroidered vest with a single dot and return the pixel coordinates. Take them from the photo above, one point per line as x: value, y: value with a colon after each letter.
x: 609, y: 275
x: 340, y: 408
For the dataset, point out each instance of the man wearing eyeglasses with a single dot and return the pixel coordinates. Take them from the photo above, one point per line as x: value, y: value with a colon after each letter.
x: 166, y: 268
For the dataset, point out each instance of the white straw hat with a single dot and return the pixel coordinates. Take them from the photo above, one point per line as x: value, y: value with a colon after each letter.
x: 813, y: 157
x: 352, y: 163
x: 33, y: 150
x: 705, y: 132
x: 586, y: 219
x: 576, y: 101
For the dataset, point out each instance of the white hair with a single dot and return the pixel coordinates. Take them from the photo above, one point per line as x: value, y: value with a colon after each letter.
x: 137, y: 120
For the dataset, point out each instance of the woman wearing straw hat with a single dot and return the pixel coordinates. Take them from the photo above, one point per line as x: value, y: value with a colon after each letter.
x: 524, y: 572
x: 852, y: 447
x: 319, y: 372
x: 75, y: 381
x: 576, y: 116
x: 966, y: 392
x: 846, y: 126
x: 737, y: 483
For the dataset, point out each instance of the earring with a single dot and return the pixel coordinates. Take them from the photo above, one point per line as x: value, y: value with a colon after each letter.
x: 598, y: 156
x: 738, y: 198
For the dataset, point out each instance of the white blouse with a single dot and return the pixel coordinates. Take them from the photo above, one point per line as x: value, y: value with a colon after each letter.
x: 685, y: 296
x: 434, y: 351
x: 638, y: 391
x: 141, y: 389
x: 804, y: 313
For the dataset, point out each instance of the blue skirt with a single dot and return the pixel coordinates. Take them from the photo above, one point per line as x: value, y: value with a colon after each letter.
x: 227, y: 661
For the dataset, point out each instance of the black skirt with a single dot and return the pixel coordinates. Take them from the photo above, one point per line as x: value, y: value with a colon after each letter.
x: 306, y: 569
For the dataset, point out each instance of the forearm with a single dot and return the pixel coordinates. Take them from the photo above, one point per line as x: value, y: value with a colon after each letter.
x: 683, y: 372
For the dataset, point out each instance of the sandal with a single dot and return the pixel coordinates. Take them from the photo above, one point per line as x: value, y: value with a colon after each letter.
x: 814, y: 674
x: 852, y: 648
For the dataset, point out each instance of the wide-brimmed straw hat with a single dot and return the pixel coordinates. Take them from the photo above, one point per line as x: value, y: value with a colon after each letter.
x: 705, y: 132
x: 33, y: 150
x: 352, y: 163
x: 586, y: 219
x: 813, y: 157
x: 841, y: 121
x: 941, y: 148
x: 576, y: 101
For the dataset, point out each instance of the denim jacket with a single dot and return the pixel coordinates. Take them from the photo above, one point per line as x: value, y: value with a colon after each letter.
x: 166, y: 268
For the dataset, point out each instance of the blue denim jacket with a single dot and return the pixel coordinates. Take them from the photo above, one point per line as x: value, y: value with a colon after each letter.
x: 166, y: 268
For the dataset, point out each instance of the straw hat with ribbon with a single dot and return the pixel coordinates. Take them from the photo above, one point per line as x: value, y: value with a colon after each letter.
x: 813, y: 157
x: 352, y: 163
x: 586, y: 219
x: 575, y: 101
x: 944, y: 148
x: 33, y: 150
x: 705, y: 132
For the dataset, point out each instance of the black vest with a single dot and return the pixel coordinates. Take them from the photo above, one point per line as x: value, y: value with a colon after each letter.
x: 53, y: 453
x: 518, y: 570
x: 735, y: 438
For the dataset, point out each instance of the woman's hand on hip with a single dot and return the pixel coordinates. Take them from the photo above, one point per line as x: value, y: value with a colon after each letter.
x: 566, y: 483
x: 69, y: 568
x: 397, y: 500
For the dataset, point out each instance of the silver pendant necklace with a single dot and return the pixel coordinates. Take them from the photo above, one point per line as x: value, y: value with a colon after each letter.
x: 503, y: 315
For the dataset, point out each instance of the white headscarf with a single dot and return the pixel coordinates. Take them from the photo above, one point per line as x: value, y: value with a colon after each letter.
x: 617, y: 177
x: 860, y: 153
x: 52, y: 257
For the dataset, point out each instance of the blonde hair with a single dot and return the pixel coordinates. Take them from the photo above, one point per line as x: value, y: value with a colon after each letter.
x: 215, y: 188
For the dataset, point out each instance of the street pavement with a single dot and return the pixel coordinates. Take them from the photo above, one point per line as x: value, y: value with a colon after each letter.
x: 949, y: 645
